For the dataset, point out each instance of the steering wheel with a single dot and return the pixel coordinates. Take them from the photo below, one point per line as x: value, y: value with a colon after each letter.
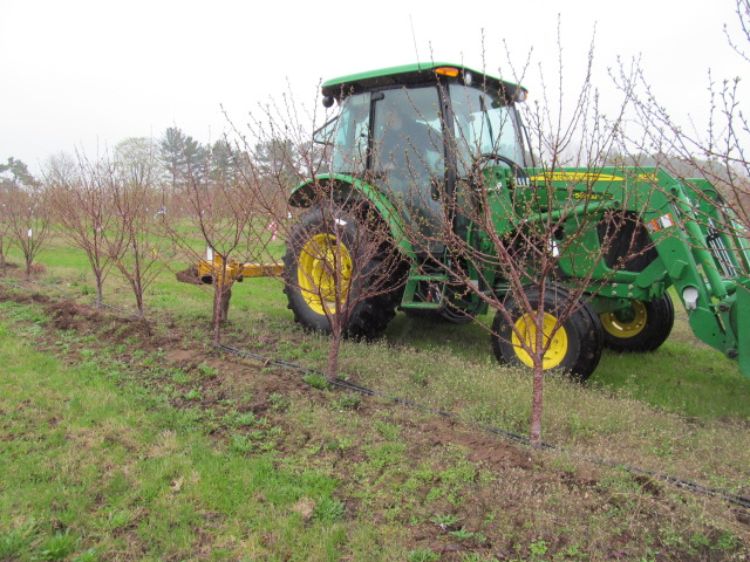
x: 518, y: 171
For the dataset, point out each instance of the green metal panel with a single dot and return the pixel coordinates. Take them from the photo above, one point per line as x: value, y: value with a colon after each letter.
x: 742, y: 318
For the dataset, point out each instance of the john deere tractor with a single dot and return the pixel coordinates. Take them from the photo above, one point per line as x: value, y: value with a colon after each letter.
x: 407, y: 140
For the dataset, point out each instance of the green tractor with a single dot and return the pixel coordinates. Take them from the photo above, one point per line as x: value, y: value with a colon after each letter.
x: 430, y: 125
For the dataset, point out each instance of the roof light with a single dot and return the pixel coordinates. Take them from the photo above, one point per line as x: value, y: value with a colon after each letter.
x: 447, y: 71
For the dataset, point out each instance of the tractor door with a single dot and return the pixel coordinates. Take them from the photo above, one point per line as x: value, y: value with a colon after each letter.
x: 408, y: 154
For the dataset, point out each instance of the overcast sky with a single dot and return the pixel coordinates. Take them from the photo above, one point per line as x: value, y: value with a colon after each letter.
x: 85, y: 73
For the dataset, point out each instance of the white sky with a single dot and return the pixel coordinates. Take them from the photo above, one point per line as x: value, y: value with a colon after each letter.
x: 79, y: 73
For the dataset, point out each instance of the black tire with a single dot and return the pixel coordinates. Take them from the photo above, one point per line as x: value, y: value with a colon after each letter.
x: 577, y: 345
x: 644, y: 327
x: 370, y: 316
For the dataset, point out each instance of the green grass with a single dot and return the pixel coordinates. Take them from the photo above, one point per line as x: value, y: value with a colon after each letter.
x: 93, y: 469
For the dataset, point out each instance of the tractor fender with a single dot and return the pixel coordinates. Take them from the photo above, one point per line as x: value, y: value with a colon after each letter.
x: 304, y: 195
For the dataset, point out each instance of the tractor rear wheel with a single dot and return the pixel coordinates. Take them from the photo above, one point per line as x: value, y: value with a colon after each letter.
x: 644, y: 326
x: 312, y: 264
x: 576, y: 344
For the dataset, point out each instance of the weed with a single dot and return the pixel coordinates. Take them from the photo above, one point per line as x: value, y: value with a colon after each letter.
x: 90, y: 555
x: 240, y: 443
x: 349, y: 401
x: 462, y: 534
x: 316, y: 381
x: 279, y: 402
x: 422, y: 555
x: 445, y: 522
x: 206, y: 371
x: 727, y: 541
x: 193, y: 395
x: 387, y: 430
x: 14, y: 542
x: 538, y: 548
x: 329, y: 510
x: 58, y: 547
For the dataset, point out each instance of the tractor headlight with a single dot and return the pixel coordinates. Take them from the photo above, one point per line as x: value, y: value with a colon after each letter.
x: 690, y: 298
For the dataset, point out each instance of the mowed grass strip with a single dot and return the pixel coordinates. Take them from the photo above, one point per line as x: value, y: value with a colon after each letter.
x: 94, y: 468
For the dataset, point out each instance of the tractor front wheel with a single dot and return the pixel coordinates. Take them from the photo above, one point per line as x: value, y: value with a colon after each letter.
x: 643, y: 326
x: 576, y: 341
x: 325, y: 270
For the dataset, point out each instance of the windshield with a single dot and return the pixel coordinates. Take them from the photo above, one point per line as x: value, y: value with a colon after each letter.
x: 484, y: 124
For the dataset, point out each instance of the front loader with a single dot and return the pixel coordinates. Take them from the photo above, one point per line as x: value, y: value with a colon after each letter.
x: 422, y: 143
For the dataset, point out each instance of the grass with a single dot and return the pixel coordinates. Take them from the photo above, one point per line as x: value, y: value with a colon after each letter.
x: 94, y: 469
x: 133, y: 455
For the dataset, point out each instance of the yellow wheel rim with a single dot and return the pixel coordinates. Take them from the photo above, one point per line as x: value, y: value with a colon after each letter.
x: 320, y: 262
x: 557, y: 349
x: 626, y: 323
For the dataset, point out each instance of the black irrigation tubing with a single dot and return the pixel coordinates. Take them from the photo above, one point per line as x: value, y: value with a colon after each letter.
x: 688, y: 485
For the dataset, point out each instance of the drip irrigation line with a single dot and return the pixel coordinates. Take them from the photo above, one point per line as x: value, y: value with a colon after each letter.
x: 682, y: 483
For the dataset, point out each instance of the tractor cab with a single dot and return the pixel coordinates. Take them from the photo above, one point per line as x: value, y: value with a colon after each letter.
x: 417, y: 132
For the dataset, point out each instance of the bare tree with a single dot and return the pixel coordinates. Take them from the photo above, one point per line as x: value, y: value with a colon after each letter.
x: 29, y: 222
x: 342, y: 272
x: 527, y: 241
x: 217, y: 206
x: 4, y: 229
x: 82, y: 204
x: 717, y: 152
x: 139, y: 255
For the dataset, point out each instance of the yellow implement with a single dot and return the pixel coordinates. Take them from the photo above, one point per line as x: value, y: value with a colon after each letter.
x: 206, y: 271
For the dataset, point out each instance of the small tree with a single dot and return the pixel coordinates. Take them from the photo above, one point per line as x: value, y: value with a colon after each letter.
x: 82, y: 204
x: 217, y: 206
x: 4, y: 228
x: 138, y: 255
x: 29, y: 222
x: 508, y: 226
x: 342, y: 265
x: 14, y: 175
x: 341, y: 268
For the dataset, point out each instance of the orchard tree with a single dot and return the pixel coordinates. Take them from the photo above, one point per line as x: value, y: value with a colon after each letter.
x: 82, y: 204
x: 28, y: 215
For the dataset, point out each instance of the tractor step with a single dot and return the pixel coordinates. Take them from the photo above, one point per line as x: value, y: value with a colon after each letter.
x: 412, y: 284
x: 420, y: 305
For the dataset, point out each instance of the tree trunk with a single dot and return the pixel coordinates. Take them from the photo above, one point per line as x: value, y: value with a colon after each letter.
x: 139, y: 301
x: 99, y: 290
x: 222, y: 297
x: 535, y: 431
x: 332, y: 368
